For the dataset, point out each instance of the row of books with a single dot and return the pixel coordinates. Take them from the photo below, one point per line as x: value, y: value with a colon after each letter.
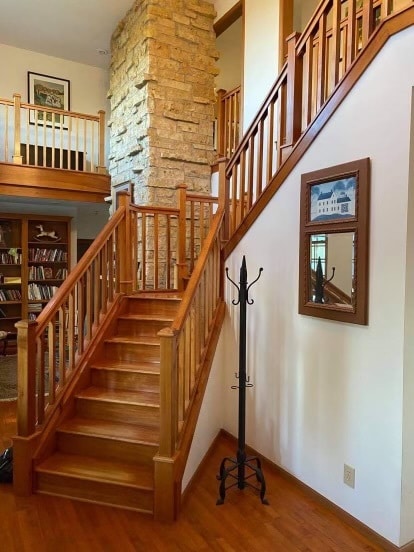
x: 10, y: 295
x: 46, y: 273
x: 6, y: 258
x: 41, y: 292
x: 46, y: 254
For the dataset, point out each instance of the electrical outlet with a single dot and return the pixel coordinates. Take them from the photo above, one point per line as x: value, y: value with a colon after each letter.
x: 349, y: 476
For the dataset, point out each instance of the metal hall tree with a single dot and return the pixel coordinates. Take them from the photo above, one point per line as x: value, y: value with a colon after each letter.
x: 242, y: 467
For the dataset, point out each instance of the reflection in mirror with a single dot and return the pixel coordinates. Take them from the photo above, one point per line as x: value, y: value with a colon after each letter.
x: 332, y: 265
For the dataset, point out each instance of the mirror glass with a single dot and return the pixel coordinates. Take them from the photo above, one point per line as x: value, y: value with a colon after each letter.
x: 332, y: 267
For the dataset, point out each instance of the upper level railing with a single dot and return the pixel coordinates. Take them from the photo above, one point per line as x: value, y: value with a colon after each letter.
x: 316, y: 63
x: 45, y: 137
x: 228, y: 122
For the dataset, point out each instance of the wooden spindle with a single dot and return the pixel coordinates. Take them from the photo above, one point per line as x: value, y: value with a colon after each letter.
x: 101, y: 155
x: 220, y: 122
x: 351, y: 40
x: 123, y: 247
x: 224, y: 190
x: 320, y: 79
x: 181, y: 256
x: 334, y: 52
x: 17, y: 156
x: 367, y: 21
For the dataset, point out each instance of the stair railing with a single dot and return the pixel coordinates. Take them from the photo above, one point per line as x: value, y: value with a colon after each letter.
x: 317, y: 61
x: 43, y: 136
x: 187, y: 349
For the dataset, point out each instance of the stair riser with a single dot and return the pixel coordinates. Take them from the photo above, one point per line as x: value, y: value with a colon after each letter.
x: 160, y: 307
x: 137, y: 328
x: 99, y: 492
x: 122, y: 380
x: 131, y: 352
x: 116, y: 412
x: 111, y: 449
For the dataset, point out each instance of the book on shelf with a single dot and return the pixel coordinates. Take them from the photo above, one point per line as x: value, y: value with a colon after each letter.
x: 47, y: 273
x: 12, y: 280
x: 2, y: 313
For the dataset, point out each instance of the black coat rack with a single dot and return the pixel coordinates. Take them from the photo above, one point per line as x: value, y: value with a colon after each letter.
x: 242, y: 467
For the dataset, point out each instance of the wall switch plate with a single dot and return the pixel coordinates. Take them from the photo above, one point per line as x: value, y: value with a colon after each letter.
x: 349, y: 476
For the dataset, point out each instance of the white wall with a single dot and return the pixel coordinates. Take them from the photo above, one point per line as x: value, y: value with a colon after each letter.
x: 261, y: 49
x: 223, y: 6
x: 328, y: 393
x: 229, y: 44
x: 407, y: 507
x: 88, y: 85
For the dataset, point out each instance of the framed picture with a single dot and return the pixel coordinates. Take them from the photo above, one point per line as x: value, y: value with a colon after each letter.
x: 48, y: 92
x: 333, y: 247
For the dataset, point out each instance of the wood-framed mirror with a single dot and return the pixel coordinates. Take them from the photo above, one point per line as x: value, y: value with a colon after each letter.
x: 334, y: 238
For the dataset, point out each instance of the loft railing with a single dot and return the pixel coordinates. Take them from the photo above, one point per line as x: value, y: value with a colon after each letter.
x: 45, y: 137
x: 228, y: 121
x: 316, y: 62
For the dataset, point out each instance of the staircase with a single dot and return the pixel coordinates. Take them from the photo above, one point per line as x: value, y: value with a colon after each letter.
x: 104, y: 452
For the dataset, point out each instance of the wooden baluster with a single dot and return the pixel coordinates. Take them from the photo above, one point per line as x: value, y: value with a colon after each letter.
x: 182, y: 272
x: 166, y: 497
x: 335, y: 44
x: 201, y: 223
x: 61, y: 345
x: 259, y: 175
x: 80, y: 291
x: 250, y: 176
x: 351, y: 41
x: 98, y: 282
x: 321, y: 75
x: 294, y: 96
x: 234, y: 202
x: 308, y: 80
x: 17, y: 156
x: 224, y: 188
x: 192, y: 236
x: 156, y: 254
x: 270, y: 143
x: 101, y: 155
x: 51, y: 343
x: 367, y: 21
x: 123, y: 247
x: 89, y: 302
x: 72, y: 330
x: 220, y: 122
x: 283, y: 148
x: 41, y: 392
x: 242, y: 186
x: 168, y: 259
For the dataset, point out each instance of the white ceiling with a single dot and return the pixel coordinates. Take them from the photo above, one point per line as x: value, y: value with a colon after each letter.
x: 68, y: 29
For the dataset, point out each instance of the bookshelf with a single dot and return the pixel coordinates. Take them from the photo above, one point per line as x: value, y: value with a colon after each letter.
x: 34, y: 261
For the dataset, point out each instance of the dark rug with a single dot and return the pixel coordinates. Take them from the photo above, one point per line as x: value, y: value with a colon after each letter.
x: 8, y: 378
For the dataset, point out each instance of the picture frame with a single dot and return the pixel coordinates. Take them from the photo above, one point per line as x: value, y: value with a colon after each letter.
x: 48, y: 93
x: 334, y: 239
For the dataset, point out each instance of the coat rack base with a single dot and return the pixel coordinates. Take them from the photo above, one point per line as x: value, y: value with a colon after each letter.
x: 240, y: 464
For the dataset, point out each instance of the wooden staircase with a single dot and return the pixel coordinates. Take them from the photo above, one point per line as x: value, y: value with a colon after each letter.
x: 104, y: 452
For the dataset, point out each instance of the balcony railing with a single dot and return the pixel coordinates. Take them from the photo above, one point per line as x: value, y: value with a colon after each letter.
x: 45, y: 137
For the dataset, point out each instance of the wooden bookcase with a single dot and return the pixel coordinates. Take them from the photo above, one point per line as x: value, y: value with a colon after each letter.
x: 34, y: 261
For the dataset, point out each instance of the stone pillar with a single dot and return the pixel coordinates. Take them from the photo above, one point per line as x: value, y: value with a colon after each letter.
x: 162, y: 98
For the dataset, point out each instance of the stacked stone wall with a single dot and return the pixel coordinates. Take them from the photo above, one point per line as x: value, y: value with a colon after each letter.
x: 162, y: 98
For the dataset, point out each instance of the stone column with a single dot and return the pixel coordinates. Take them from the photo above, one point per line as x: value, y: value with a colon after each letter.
x: 162, y: 98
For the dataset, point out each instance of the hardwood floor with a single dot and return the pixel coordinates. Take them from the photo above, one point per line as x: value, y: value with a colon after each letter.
x: 292, y: 522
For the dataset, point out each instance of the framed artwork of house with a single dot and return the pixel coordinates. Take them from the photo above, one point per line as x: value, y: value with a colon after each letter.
x: 333, y: 249
x: 47, y: 93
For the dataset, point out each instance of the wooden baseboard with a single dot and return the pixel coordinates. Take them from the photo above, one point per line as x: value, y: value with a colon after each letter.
x: 374, y: 537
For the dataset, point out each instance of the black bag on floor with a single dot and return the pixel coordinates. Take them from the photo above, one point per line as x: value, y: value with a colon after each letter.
x: 6, y: 466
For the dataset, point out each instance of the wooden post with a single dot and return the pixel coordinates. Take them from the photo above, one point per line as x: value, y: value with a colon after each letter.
x: 17, y: 156
x: 124, y: 245
x: 224, y: 194
x: 101, y: 168
x: 221, y: 123
x: 165, y: 502
x: 294, y: 96
x: 181, y: 264
x: 285, y: 28
x: 26, y: 377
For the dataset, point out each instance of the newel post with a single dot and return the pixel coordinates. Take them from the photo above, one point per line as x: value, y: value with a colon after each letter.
x: 181, y: 240
x: 224, y: 193
x: 124, y: 245
x: 25, y: 441
x: 101, y: 168
x: 294, y: 97
x: 17, y: 156
x: 167, y: 490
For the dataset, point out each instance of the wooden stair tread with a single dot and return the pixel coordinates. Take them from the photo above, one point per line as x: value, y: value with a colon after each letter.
x: 169, y: 295
x: 147, y: 317
x: 112, y: 430
x: 130, y: 340
x: 138, y: 367
x: 147, y: 398
x: 98, y: 469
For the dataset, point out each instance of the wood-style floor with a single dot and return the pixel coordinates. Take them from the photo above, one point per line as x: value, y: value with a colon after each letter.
x: 292, y: 522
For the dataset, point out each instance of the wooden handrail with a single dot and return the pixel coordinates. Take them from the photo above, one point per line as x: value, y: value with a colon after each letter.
x: 62, y: 112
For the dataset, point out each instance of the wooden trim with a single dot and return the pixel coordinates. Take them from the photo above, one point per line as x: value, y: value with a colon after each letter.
x: 228, y: 18
x: 285, y: 28
x: 347, y: 518
x: 393, y: 25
